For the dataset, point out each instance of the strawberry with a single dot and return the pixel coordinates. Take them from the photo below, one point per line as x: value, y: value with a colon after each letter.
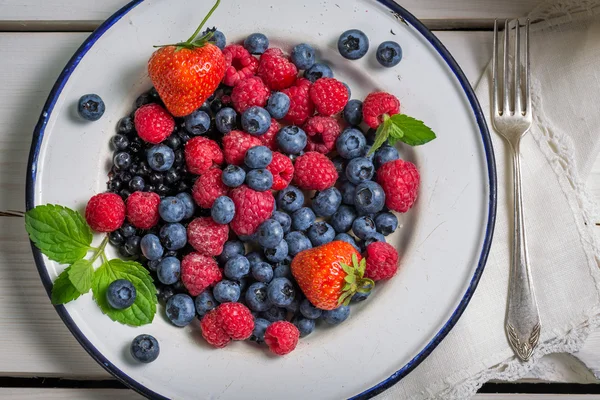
x: 185, y: 74
x: 330, y: 274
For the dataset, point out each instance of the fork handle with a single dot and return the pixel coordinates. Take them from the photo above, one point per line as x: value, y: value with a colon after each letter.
x: 522, y: 315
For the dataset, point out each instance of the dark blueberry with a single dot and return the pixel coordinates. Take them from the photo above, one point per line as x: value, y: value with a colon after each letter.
x: 318, y: 71
x: 281, y: 292
x: 290, y: 199
x: 351, y: 143
x: 389, y: 54
x: 255, y: 257
x: 297, y: 242
x: 205, y: 302
x: 161, y: 157
x: 303, y: 219
x: 370, y: 136
x: 283, y: 270
x: 278, y: 105
x: 218, y: 38
x: 226, y: 291
x: 122, y: 160
x: 216, y: 105
x: 385, y: 154
x: 305, y: 326
x: 257, y: 298
x: 125, y: 126
x: 294, y: 306
x: 132, y: 245
x: 270, y: 234
x: 353, y: 44
x: 165, y: 293
x: 171, y: 209
x: 359, y: 170
x: 151, y: 247
x: 184, y: 136
x: 337, y: 316
x: 143, y: 169
x: 262, y: 271
x: 348, y: 89
x: 180, y: 309
x: 256, y: 43
x: 237, y: 268
x: 343, y: 218
x: 153, y: 264
x: 344, y: 237
x: 258, y: 157
x: 374, y: 237
x: 197, y: 123
x: 116, y: 238
x: 115, y: 184
x: 168, y: 270
x: 278, y: 253
x: 340, y: 165
x: 120, y: 294
x: 143, y: 99
x: 128, y: 230
x: 137, y: 184
x: 153, y: 93
x: 256, y: 120
x: 173, y: 236
x: 284, y: 220
x: 274, y: 314
x: 179, y: 157
x: 124, y: 193
x: 226, y: 120
x: 144, y: 348
x: 173, y: 141
x: 309, y: 311
x: 320, y: 233
x: 358, y: 297
x: 348, y: 190
x: 91, y: 107
x: 188, y: 201
x: 120, y: 142
x: 233, y: 176
x: 303, y: 56
x: 231, y: 249
x: 363, y: 227
x: 326, y: 202
x: 353, y: 112
x: 260, y: 326
x: 369, y: 198
x: 259, y: 179
x: 291, y: 139
x: 222, y: 210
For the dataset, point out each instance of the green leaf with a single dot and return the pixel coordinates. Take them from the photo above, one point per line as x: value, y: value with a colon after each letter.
x: 381, y: 136
x: 59, y: 232
x: 143, y: 309
x: 350, y: 278
x: 347, y: 269
x: 80, y: 275
x: 414, y: 132
x: 362, y: 266
x: 63, y: 290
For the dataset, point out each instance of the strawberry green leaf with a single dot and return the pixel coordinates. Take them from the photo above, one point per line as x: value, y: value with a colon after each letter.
x: 347, y: 269
x: 63, y: 290
x: 80, y: 275
x: 414, y: 132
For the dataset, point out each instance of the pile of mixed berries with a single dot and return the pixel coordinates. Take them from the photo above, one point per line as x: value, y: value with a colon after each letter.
x: 265, y: 210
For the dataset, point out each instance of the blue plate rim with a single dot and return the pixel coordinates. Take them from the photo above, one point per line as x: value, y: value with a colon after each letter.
x: 407, y: 17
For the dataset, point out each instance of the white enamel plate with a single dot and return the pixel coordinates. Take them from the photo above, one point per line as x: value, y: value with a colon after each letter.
x: 443, y: 240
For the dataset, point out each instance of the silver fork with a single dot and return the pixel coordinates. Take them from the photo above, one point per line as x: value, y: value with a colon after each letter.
x: 512, y: 120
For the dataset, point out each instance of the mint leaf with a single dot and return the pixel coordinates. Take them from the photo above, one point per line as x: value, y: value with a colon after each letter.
x: 413, y: 131
x: 63, y: 290
x: 60, y: 233
x: 80, y: 275
x: 381, y: 136
x: 143, y: 309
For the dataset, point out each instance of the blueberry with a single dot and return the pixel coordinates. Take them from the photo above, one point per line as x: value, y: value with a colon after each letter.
x: 222, y: 210
x: 259, y: 179
x: 233, y: 176
x: 173, y: 236
x: 256, y: 297
x: 343, y: 218
x: 351, y: 143
x: 369, y: 198
x: 132, y: 245
x: 153, y: 264
x: 260, y: 326
x: 258, y: 157
x: 353, y: 112
x: 318, y: 71
x: 231, y: 249
x: 278, y: 253
x: 278, y: 105
x: 385, y: 154
x: 116, y: 238
x: 303, y: 219
x: 340, y: 165
x: 188, y: 202
x: 164, y: 293
x: 169, y: 270
x: 309, y: 311
x: 205, y: 302
x: 367, y: 153
x: 348, y: 89
x: 262, y: 272
x: 336, y: 316
x: 255, y: 257
x: 137, y: 184
x: 290, y: 199
x: 358, y: 297
x: 180, y: 309
x: 122, y: 160
x: 389, y: 54
x: 236, y: 268
x: 371, y: 135
x: 320, y: 233
x: 348, y: 190
x: 353, y: 44
x: 274, y: 314
x: 173, y: 141
x: 171, y: 209
x: 256, y: 121
x: 284, y: 220
x: 225, y: 120
x: 151, y: 247
x: 363, y: 227
x: 128, y: 230
x: 256, y: 43
x: 161, y: 157
x: 326, y: 202
x: 197, y: 123
x: 120, y: 294
x: 303, y: 56
x: 91, y: 107
x: 297, y: 242
x: 344, y: 237
x: 248, y: 238
x: 143, y: 99
x: 374, y: 237
x: 305, y: 326
x: 283, y: 270
x: 360, y: 170
x: 125, y: 126
x: 291, y: 139
x: 281, y: 292
x: 120, y: 142
x: 144, y: 348
x: 218, y: 38
x: 270, y: 233
x: 226, y: 291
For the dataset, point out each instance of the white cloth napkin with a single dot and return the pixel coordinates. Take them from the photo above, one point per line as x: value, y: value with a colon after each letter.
x: 557, y: 156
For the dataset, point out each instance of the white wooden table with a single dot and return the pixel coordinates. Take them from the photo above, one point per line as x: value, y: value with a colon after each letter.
x: 37, y: 37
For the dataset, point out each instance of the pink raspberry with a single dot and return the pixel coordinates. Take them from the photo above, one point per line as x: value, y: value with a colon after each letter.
x: 329, y: 96
x: 400, y: 181
x: 206, y: 236
x: 201, y: 154
x: 322, y: 133
x: 282, y: 169
x: 236, y: 320
x: 249, y: 92
x: 142, y: 209
x: 153, y: 123
x: 282, y: 337
x: 208, y: 187
x: 269, y: 138
x: 105, y: 212
x: 199, y: 272
x: 252, y: 209
x: 376, y: 105
x: 240, y: 64
x: 382, y: 261
x: 213, y: 332
x: 314, y: 171
x: 276, y: 70
x: 301, y: 106
x: 236, y: 144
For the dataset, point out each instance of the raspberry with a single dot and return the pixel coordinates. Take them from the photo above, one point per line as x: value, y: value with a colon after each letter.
x: 269, y: 138
x: 142, y: 209
x: 240, y: 64
x: 236, y: 320
x: 153, y: 123
x: 252, y: 209
x: 400, y: 182
x: 213, y: 332
x: 235, y: 145
x: 314, y: 171
x: 376, y: 105
x: 249, y: 92
x: 329, y: 96
x: 282, y: 169
x: 282, y: 337
x: 206, y: 236
x: 198, y: 272
x: 382, y: 261
x: 322, y: 133
x: 201, y: 154
x: 301, y: 106
x: 276, y: 70
x: 105, y: 212
x: 208, y: 187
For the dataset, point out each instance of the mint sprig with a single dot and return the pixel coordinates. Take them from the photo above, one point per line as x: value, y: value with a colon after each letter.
x: 80, y: 275
x: 63, y: 290
x: 401, y: 127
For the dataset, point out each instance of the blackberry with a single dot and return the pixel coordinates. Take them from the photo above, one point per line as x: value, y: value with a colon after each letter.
x: 156, y: 178
x: 172, y: 177
x: 115, y: 184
